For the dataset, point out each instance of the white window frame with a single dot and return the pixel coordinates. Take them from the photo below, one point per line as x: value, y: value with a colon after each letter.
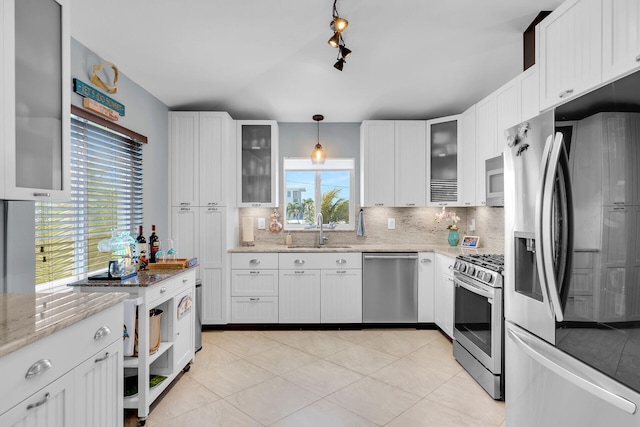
x: 304, y: 164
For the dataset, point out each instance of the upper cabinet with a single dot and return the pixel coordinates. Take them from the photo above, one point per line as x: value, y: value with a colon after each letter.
x: 620, y: 37
x: 202, y: 153
x: 468, y: 157
x: 570, y: 51
x: 443, y: 161
x: 409, y: 157
x: 528, y: 83
x: 257, y: 163
x: 377, y: 153
x: 34, y: 100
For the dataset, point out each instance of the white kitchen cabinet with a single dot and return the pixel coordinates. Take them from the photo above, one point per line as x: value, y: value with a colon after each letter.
x: 184, y: 231
x: 254, y: 288
x: 620, y: 37
x: 468, y: 157
x: 444, y: 293
x: 217, y: 232
x: 487, y: 134
x: 529, y: 93
x: 299, y: 296
x: 570, y: 51
x: 184, y: 139
x: 52, y: 406
x: 508, y: 112
x: 202, y: 149
x: 34, y: 100
x: 409, y: 167
x: 99, y: 388
x: 426, y: 285
x: 257, y: 151
x: 254, y: 309
x: 341, y: 295
x: 73, y: 388
x: 377, y: 154
x: 444, y: 178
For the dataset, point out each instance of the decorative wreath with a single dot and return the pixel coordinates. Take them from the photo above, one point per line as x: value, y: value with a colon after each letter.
x: 96, y: 80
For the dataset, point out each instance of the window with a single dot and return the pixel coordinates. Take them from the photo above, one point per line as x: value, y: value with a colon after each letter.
x: 312, y: 189
x: 106, y: 195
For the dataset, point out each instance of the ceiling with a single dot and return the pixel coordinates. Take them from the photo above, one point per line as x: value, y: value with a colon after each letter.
x: 269, y: 59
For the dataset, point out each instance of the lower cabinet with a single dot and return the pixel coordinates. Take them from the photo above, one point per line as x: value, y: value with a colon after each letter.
x: 79, y: 381
x: 254, y: 309
x: 341, y: 296
x: 443, y: 293
x: 299, y: 298
x: 426, y: 283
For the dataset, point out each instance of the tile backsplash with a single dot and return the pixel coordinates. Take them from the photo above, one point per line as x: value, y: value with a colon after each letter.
x: 413, y: 225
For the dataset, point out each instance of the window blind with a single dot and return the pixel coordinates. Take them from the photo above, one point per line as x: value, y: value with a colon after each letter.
x: 106, y: 197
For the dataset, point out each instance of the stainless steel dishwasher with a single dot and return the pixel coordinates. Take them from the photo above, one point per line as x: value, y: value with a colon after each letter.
x: 390, y: 287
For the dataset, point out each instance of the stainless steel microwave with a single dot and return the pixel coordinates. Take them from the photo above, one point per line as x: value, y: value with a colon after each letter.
x: 494, y: 168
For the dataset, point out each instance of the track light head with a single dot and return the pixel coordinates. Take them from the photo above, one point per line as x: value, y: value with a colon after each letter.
x: 334, y: 41
x: 339, y: 65
x: 344, y: 51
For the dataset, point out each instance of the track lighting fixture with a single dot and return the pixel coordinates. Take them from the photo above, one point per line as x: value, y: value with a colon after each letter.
x: 338, y: 25
x: 318, y: 155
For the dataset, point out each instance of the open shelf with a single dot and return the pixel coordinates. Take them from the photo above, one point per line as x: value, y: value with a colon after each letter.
x: 133, y: 361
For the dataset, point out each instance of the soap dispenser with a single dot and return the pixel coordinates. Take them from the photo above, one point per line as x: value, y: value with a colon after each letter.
x: 288, y: 240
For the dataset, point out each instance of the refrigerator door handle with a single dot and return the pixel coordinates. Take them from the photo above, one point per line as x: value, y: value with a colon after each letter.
x: 547, y: 227
x: 539, y: 219
x: 588, y: 386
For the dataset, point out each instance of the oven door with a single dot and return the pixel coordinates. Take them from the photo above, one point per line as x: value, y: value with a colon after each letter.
x: 478, y: 321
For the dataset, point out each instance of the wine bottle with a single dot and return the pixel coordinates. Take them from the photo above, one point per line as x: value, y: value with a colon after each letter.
x: 141, y: 244
x: 154, y: 244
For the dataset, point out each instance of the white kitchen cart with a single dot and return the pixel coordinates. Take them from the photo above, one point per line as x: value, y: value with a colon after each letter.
x: 174, y: 294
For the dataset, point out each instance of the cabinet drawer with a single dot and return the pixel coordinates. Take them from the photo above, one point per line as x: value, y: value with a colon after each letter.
x: 169, y: 287
x: 255, y: 260
x: 254, y: 309
x: 300, y: 261
x: 254, y: 283
x: 63, y: 350
x: 331, y: 261
x: 444, y: 264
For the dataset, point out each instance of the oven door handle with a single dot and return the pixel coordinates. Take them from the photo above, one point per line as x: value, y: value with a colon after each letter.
x: 474, y: 288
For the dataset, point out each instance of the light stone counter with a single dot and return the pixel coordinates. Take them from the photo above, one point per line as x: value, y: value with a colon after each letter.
x: 26, y: 318
x: 442, y: 249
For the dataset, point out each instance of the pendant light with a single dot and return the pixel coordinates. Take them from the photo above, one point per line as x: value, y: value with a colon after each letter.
x: 318, y: 155
x: 338, y: 25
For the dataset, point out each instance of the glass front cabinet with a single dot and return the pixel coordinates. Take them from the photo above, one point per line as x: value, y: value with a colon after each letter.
x: 34, y: 100
x: 444, y: 168
x: 258, y: 163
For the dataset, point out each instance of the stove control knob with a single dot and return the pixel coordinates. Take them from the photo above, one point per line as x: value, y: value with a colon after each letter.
x: 471, y: 270
x: 462, y: 267
x: 488, y: 278
x: 456, y: 266
x: 480, y: 275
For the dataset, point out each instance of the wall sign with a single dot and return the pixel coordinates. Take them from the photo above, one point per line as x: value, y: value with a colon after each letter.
x: 87, y: 91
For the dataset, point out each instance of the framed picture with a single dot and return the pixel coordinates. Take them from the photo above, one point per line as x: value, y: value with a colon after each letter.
x: 470, y: 242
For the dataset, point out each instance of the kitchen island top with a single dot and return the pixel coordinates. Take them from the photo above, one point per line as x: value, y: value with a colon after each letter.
x: 144, y: 278
x: 442, y: 249
x: 29, y: 317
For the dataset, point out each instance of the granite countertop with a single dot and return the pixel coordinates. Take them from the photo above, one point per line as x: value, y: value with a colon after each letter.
x: 26, y: 318
x: 442, y: 249
x: 144, y: 278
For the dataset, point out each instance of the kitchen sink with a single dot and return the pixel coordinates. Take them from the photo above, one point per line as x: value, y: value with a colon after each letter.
x: 317, y: 247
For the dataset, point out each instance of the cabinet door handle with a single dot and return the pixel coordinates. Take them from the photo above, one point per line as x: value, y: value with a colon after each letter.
x: 40, y: 403
x: 299, y: 261
x: 103, y: 358
x: 341, y: 271
x: 254, y: 261
x: 256, y: 205
x: 185, y: 204
x: 254, y: 272
x: 163, y: 290
x: 565, y: 93
x: 378, y: 204
x: 341, y: 261
x: 425, y: 261
x: 410, y: 204
x: 298, y: 272
x: 212, y: 209
x: 185, y: 209
x: 42, y: 194
x: 101, y: 333
x: 638, y: 58
x: 185, y: 279
x: 39, y: 367
x: 254, y: 299
x: 213, y: 203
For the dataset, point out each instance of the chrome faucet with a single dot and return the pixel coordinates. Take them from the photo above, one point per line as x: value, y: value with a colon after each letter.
x: 319, y: 221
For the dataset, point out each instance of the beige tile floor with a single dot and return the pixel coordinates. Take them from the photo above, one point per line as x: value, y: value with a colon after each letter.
x: 371, y: 377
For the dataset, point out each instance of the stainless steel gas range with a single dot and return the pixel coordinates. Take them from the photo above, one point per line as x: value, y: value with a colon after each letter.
x: 479, y: 319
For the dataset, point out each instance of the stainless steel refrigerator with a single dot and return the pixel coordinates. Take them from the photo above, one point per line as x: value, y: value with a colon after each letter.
x: 572, y: 263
